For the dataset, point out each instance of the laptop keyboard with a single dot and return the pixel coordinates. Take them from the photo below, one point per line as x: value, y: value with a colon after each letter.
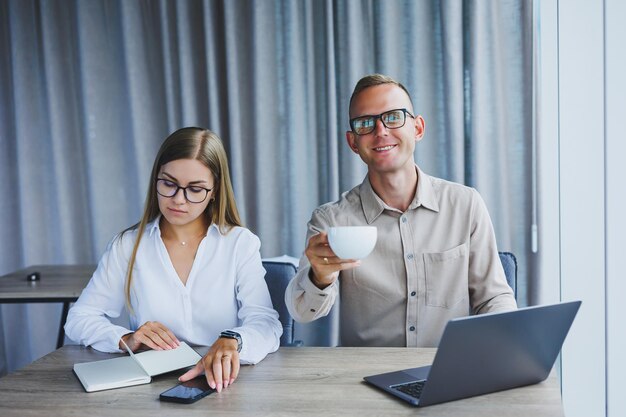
x: 413, y: 389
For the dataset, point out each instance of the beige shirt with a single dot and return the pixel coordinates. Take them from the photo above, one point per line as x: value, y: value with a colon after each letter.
x: 434, y: 262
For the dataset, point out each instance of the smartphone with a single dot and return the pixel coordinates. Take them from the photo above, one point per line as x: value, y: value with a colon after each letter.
x: 188, y: 392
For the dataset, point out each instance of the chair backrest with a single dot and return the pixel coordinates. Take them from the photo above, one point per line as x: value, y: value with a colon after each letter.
x: 509, y: 263
x: 277, y: 278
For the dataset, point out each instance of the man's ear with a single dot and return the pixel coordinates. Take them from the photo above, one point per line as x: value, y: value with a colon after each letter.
x: 420, y: 127
x: 351, y: 139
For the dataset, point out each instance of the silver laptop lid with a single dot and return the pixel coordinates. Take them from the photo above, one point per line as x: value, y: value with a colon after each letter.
x: 497, y: 351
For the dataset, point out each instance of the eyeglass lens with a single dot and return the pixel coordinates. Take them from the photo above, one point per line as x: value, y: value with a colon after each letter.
x: 192, y: 194
x: 392, y: 119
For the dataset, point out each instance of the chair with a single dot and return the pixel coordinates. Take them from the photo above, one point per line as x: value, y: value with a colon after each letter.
x: 509, y: 263
x: 277, y: 278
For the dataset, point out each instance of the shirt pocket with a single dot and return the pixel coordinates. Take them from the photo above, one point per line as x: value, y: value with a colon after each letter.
x: 446, y: 276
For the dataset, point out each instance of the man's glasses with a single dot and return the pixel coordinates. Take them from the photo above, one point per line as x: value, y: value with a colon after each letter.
x: 192, y: 193
x: 392, y: 119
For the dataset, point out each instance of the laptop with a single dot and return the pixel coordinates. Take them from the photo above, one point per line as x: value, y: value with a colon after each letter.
x: 486, y: 353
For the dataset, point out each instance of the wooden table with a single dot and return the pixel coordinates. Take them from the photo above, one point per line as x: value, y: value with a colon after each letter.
x: 57, y: 284
x: 309, y: 381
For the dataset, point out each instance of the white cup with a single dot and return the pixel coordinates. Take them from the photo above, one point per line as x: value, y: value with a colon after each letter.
x: 352, y: 242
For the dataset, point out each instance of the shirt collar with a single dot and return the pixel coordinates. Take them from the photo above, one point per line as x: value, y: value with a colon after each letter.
x: 153, y: 227
x: 425, y: 194
x: 373, y: 205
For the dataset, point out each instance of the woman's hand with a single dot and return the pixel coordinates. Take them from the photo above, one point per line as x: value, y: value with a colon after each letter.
x: 220, y: 364
x: 151, y: 334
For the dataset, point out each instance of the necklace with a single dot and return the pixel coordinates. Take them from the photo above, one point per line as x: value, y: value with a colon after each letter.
x: 171, y: 237
x: 185, y: 242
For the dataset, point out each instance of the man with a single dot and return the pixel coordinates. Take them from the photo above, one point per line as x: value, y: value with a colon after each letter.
x: 436, y: 256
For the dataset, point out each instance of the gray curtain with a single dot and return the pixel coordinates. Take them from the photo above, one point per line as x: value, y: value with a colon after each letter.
x: 89, y: 89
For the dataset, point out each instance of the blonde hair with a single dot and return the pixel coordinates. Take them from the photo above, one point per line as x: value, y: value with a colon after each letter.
x: 206, y: 147
x: 373, y: 80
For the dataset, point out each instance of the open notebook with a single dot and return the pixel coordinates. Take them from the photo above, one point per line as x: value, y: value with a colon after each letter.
x: 134, y: 369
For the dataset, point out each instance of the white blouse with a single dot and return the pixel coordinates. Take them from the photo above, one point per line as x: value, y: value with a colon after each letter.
x: 226, y: 290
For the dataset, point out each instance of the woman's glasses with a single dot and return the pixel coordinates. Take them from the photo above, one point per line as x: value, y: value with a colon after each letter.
x: 192, y: 193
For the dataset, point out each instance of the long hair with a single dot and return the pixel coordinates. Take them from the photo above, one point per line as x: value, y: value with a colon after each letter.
x: 206, y: 147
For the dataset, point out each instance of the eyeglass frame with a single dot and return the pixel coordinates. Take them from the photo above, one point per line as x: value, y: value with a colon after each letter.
x: 178, y: 188
x: 380, y: 116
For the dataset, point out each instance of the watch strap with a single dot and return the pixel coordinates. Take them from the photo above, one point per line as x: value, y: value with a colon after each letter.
x: 229, y: 334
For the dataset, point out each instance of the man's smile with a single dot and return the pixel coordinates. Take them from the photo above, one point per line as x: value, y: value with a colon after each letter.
x: 384, y: 148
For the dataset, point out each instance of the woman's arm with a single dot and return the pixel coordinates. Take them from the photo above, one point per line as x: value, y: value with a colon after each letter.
x: 87, y: 321
x: 260, y: 328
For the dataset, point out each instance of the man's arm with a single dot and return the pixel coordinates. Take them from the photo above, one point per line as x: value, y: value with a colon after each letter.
x: 489, y: 290
x: 304, y: 300
x: 313, y: 291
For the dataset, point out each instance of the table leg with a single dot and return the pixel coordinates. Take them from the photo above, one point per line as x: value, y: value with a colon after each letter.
x: 61, y: 338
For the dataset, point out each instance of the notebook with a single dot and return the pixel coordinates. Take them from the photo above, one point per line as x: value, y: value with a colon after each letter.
x: 486, y: 353
x: 134, y: 369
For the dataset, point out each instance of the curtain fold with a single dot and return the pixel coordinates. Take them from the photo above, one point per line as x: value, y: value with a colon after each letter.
x: 90, y: 89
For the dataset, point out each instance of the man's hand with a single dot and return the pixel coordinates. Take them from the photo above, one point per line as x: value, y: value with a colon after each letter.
x: 220, y: 364
x: 151, y: 334
x: 325, y: 265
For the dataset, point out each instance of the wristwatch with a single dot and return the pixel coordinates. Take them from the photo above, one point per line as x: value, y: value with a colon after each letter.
x: 229, y: 334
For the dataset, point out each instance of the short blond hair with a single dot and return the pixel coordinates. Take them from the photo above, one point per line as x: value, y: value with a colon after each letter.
x: 373, y: 80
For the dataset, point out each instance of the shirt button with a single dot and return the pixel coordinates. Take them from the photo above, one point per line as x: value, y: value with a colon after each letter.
x: 404, y: 220
x: 412, y: 328
x: 410, y: 256
x: 413, y: 293
x: 312, y: 310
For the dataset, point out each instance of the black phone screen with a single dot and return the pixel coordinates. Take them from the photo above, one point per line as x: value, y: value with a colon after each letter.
x: 188, y: 392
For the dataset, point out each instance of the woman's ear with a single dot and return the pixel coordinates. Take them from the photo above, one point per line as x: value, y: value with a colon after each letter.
x: 214, y: 192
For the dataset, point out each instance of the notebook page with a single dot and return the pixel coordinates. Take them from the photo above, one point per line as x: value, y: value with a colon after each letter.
x: 156, y: 362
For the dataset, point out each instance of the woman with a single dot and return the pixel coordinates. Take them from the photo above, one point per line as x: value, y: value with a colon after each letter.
x: 187, y: 271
